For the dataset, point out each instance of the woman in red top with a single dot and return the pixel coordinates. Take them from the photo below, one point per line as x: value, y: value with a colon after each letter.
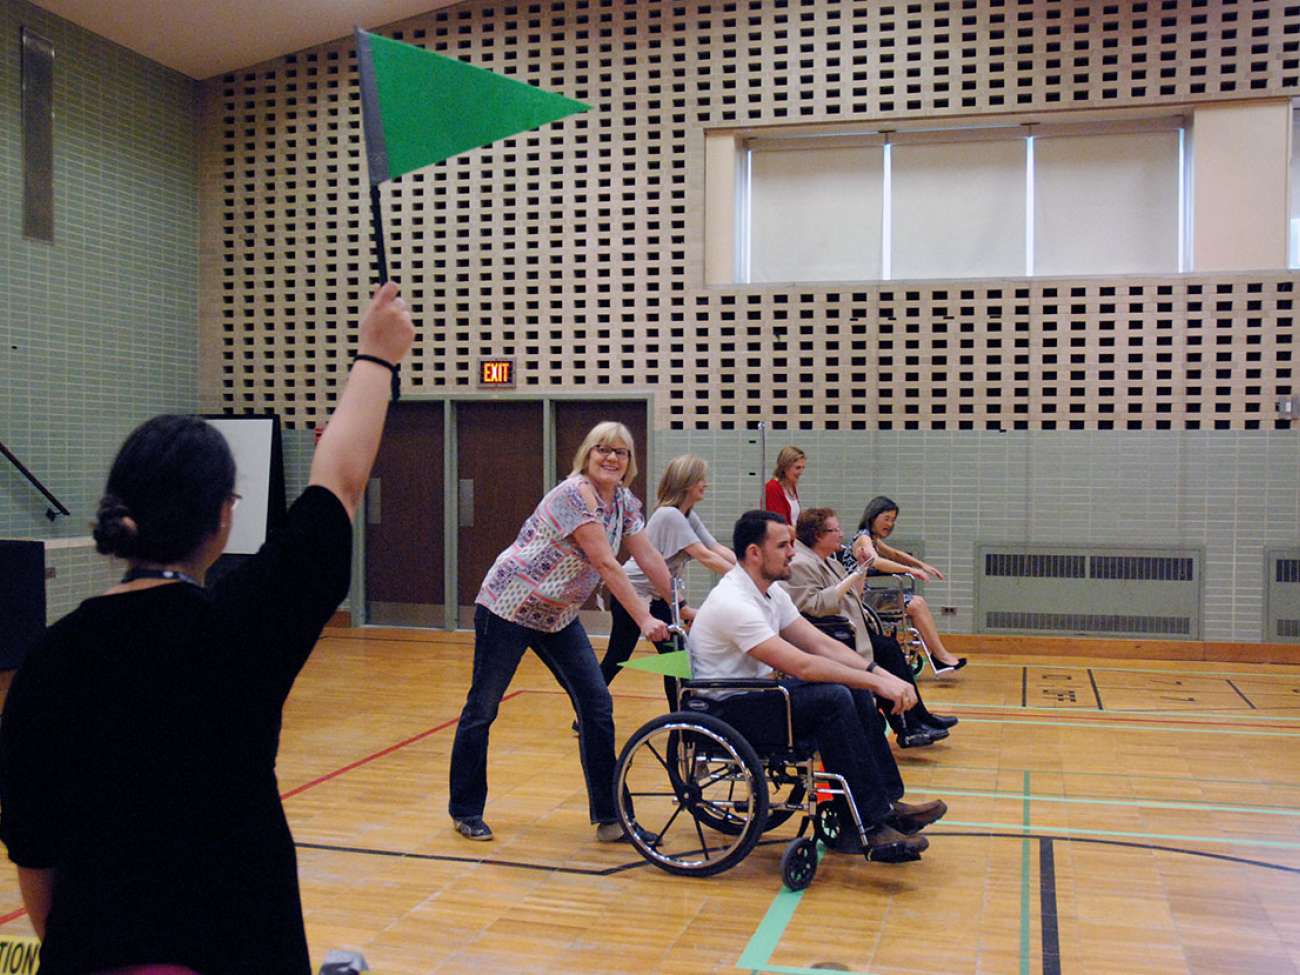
x: 781, y: 494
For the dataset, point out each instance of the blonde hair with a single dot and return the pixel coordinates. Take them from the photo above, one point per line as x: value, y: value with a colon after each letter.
x: 606, y: 432
x: 787, y: 458
x: 682, y: 474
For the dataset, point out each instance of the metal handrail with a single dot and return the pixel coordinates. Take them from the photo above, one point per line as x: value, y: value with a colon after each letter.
x: 50, y: 513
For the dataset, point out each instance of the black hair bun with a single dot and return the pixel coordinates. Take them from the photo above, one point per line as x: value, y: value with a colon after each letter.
x: 115, y: 530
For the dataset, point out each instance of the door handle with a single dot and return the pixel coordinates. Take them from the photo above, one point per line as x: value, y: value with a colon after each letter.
x: 373, y: 504
x: 465, y: 503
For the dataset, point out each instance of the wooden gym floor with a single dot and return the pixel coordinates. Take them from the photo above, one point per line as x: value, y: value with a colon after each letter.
x: 1105, y: 817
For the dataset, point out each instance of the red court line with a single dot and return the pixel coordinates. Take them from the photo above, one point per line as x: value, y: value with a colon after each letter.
x: 630, y: 695
x: 379, y: 754
x: 1109, y: 717
x: 14, y: 915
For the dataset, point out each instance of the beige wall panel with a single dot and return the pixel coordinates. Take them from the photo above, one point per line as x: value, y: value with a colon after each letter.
x: 720, y: 213
x: 1240, y: 207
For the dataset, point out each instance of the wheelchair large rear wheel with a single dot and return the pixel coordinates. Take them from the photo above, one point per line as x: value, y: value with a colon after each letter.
x: 694, y: 782
x: 786, y: 790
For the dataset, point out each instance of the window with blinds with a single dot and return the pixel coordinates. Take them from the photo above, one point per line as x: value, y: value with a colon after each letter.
x: 995, y: 201
x: 815, y: 211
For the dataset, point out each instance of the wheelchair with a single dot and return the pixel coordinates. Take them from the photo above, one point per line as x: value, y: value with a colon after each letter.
x: 884, y: 602
x: 707, y: 795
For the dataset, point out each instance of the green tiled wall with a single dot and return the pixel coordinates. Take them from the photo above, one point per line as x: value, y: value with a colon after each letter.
x: 1232, y: 494
x: 98, y: 330
x: 79, y: 571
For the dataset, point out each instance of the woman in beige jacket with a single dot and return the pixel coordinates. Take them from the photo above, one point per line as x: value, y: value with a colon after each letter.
x: 821, y: 587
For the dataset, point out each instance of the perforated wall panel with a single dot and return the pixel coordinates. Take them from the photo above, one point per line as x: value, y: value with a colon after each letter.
x: 578, y: 249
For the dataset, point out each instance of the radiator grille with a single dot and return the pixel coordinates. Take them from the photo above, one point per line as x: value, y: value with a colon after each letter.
x: 1141, y: 567
x: 1027, y: 566
x: 1103, y: 590
x: 1089, y: 623
x: 1282, y: 597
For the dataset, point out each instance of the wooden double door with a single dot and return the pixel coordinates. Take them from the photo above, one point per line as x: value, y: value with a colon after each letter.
x: 475, y: 469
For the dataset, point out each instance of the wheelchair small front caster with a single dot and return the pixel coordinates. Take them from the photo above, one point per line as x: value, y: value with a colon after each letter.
x: 828, y: 824
x: 799, y: 863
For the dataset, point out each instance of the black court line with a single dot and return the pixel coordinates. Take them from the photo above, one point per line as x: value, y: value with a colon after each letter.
x: 1241, y: 695
x: 1051, y: 935
x: 446, y: 858
x: 1024, y: 687
x: 515, y: 864
x: 1095, y: 693
x: 1226, y: 857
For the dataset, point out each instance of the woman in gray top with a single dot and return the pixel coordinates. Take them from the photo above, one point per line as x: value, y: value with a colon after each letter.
x: 679, y: 535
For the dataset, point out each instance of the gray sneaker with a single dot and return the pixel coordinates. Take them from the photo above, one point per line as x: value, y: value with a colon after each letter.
x: 473, y: 828
x: 613, y: 833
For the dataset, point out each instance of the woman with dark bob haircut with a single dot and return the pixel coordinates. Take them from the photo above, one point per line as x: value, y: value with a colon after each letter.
x: 137, y: 752
x: 877, y: 524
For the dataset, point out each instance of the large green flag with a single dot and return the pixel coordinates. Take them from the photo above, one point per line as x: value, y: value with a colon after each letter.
x: 420, y: 108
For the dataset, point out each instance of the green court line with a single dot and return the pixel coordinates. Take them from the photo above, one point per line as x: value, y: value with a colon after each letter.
x: 1116, y: 726
x: 1111, y: 775
x: 1137, y: 803
x: 1151, y: 670
x: 1144, y: 712
x: 1024, y: 886
x: 1080, y: 831
x: 770, y: 930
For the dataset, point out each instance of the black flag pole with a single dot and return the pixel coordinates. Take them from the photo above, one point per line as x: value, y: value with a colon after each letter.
x: 381, y: 266
x: 377, y: 228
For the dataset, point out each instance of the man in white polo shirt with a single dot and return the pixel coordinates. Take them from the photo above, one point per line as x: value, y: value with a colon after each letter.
x: 749, y: 628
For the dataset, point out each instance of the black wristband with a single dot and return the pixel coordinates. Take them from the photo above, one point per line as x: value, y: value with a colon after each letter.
x: 391, y: 366
x: 362, y: 357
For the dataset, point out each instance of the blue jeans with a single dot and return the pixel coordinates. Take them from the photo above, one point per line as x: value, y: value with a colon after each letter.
x: 499, y: 645
x: 845, y: 724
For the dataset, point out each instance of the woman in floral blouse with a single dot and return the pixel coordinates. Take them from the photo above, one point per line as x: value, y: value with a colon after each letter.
x: 531, y: 597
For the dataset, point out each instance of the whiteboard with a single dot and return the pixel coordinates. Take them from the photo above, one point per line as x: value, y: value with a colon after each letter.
x: 259, y: 470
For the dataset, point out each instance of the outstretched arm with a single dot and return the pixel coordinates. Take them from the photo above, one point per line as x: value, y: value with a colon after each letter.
x: 347, y: 449
x: 37, y: 889
x: 865, y: 551
x: 813, y: 641
x: 830, y: 668
x: 591, y: 539
x: 652, y: 563
x: 710, y: 559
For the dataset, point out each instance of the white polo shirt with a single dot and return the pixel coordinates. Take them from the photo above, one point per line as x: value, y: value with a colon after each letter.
x: 734, y: 618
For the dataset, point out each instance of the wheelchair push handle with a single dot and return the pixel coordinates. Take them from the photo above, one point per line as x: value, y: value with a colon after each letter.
x: 677, y: 629
x: 675, y: 606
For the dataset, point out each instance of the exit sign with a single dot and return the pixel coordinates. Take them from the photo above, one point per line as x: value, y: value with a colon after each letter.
x: 496, y: 372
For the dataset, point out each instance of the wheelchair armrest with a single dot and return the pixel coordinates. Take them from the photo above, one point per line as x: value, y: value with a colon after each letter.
x: 760, y: 685
x: 902, y: 581
x: 747, y: 683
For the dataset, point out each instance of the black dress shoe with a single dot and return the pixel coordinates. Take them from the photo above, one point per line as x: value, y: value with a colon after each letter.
x: 942, y: 668
x: 938, y: 721
x: 885, y: 844
x: 920, y: 737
